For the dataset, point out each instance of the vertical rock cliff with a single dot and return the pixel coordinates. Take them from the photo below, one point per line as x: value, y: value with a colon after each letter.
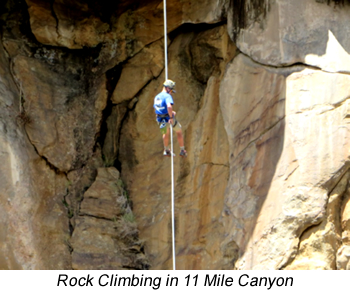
x: 263, y: 100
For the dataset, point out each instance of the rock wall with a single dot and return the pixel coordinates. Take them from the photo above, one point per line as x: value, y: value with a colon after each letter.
x: 262, y: 97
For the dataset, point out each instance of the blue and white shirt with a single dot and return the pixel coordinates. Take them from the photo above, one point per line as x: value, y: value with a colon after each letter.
x: 160, y: 103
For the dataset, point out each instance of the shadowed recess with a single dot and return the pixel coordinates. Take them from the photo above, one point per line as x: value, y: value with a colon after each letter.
x: 246, y: 11
x: 342, y: 2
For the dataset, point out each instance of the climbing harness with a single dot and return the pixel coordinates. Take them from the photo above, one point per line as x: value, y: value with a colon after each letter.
x: 171, y: 141
x: 163, y: 127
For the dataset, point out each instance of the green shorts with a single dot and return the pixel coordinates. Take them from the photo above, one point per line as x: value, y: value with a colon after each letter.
x: 163, y: 126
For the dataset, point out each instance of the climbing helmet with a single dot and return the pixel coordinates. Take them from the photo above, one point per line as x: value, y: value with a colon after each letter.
x: 170, y: 84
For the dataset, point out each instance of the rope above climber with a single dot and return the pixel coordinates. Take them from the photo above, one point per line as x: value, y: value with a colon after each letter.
x: 163, y: 105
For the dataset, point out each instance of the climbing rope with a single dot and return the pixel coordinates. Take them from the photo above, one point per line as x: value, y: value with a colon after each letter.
x: 171, y: 141
x: 165, y: 41
x: 172, y: 198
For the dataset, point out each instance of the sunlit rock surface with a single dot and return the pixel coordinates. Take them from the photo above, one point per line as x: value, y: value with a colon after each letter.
x: 289, y: 148
x: 302, y: 31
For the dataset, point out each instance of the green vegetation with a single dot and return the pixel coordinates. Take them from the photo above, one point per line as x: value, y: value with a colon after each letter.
x: 121, y: 186
x: 107, y: 162
x: 129, y: 217
x: 70, y: 211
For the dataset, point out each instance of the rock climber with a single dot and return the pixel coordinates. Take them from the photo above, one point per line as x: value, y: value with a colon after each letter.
x: 163, y: 105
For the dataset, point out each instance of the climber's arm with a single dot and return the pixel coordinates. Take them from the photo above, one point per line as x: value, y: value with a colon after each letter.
x: 170, y: 112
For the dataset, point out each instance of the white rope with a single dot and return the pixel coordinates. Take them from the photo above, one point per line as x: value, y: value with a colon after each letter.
x: 171, y: 141
x: 172, y: 198
x: 165, y: 42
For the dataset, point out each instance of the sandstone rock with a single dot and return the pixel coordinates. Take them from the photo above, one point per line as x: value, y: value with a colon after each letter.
x: 34, y: 230
x: 100, y: 201
x: 94, y: 246
x: 206, y: 49
x: 202, y: 186
x: 282, y: 130
x: 343, y: 255
x: 137, y: 72
x: 140, y: 145
x: 105, y: 236
x: 300, y: 32
x: 64, y: 118
x: 265, y: 185
x: 343, y: 258
x: 319, y: 244
x: 79, y: 181
x: 64, y: 23
x: 43, y: 23
x: 44, y: 246
x: 204, y: 11
x: 345, y: 220
x: 79, y: 25
x: 122, y: 33
x: 48, y: 217
x: 210, y: 50
x: 141, y: 158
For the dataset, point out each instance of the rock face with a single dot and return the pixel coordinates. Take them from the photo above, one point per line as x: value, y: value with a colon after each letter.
x: 207, y: 166
x: 298, y: 174
x: 262, y: 98
x: 308, y: 32
x: 32, y: 212
x: 105, y: 236
x: 140, y: 70
x: 53, y: 106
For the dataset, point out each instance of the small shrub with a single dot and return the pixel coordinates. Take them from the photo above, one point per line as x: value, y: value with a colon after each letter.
x: 107, y: 162
x: 129, y: 217
x: 70, y: 212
